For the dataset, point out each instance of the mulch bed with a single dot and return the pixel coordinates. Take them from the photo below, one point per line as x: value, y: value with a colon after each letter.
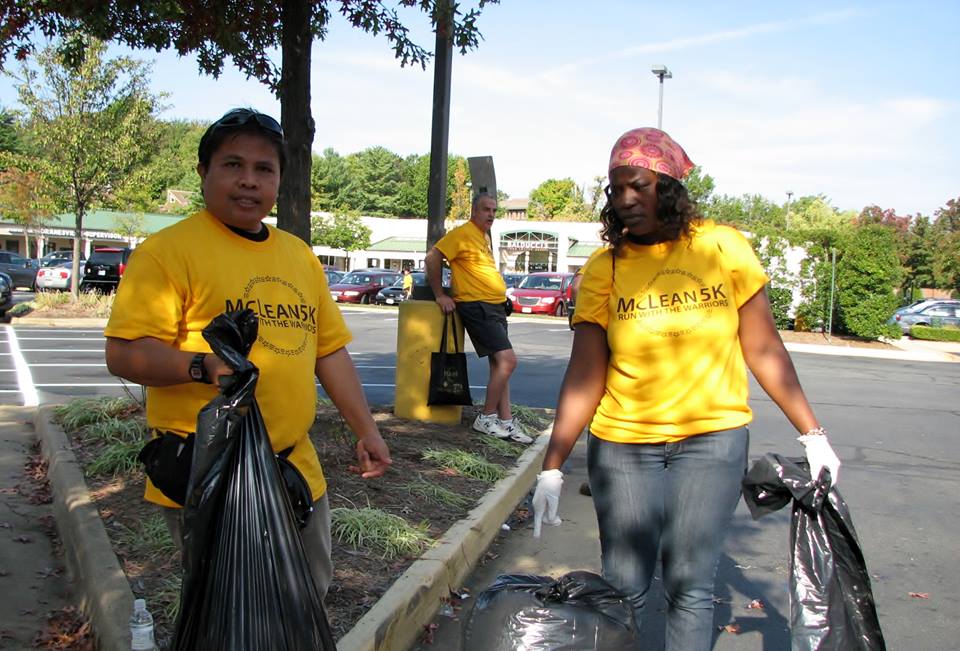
x: 360, y: 576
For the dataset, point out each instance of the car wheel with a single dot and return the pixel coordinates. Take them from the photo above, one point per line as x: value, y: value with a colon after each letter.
x: 561, y: 309
x: 365, y: 299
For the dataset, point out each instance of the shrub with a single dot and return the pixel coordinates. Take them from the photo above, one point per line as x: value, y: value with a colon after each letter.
x: 892, y: 331
x: 867, y: 274
x: 780, y: 299
x: 935, y: 334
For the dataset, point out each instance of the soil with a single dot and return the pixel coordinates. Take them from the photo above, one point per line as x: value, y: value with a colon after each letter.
x: 360, y: 576
x: 820, y: 339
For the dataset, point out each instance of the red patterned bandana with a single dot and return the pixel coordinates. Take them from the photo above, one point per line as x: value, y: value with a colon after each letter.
x: 653, y: 149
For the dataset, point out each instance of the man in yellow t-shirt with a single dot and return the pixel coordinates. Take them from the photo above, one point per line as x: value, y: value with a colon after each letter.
x: 479, y: 297
x: 224, y: 258
x: 407, y: 284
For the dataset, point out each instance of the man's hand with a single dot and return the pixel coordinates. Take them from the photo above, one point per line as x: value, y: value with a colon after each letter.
x: 216, y: 369
x: 373, y: 456
x: 446, y: 303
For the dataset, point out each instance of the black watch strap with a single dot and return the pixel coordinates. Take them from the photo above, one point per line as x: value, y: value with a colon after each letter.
x: 198, y: 372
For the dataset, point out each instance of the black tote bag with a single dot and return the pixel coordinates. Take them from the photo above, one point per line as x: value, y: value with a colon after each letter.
x: 449, y: 384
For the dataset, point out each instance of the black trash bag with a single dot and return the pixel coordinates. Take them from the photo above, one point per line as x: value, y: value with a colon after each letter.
x: 246, y: 582
x: 449, y: 384
x: 524, y: 612
x: 831, y: 602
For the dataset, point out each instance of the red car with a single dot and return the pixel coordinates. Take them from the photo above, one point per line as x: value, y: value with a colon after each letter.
x: 542, y: 293
x: 362, y: 286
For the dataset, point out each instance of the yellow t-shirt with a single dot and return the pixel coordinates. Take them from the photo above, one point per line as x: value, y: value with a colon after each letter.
x: 182, y: 277
x: 475, y: 275
x: 671, y: 315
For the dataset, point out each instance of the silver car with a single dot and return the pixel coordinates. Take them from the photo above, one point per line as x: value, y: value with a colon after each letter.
x: 936, y: 314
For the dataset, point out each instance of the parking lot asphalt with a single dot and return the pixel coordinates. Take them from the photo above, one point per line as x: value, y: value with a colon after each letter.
x: 894, y: 424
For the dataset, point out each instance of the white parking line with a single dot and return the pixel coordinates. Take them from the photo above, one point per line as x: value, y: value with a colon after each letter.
x: 51, y: 330
x: 24, y: 379
x: 362, y: 366
x: 56, y: 338
x: 59, y: 350
x: 59, y: 365
x: 82, y: 384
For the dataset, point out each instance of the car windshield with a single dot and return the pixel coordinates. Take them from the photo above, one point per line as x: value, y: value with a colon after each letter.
x: 541, y: 282
x: 106, y: 257
x: 358, y: 279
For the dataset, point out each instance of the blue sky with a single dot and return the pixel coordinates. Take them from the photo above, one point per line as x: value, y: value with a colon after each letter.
x: 859, y: 102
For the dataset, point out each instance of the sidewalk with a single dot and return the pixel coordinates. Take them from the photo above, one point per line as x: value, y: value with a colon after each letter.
x: 32, y: 580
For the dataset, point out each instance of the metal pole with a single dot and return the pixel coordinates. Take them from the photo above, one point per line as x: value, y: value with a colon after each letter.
x: 437, y: 189
x: 660, y: 108
x: 789, y: 195
x: 833, y: 280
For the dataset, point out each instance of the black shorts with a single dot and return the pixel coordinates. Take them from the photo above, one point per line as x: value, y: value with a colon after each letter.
x: 486, y: 323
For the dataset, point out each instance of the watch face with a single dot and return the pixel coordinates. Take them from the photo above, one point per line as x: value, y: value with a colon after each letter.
x: 196, y: 373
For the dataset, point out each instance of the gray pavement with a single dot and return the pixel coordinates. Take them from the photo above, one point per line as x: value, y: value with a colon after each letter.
x: 32, y: 579
x: 894, y: 424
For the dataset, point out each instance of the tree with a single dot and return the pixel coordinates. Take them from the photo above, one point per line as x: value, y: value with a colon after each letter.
x: 374, y: 181
x: 344, y: 231
x: 699, y: 185
x: 946, y: 235
x: 9, y: 139
x: 131, y: 225
x: 329, y: 181
x: 246, y: 31
x: 461, y: 203
x: 92, y: 126
x: 556, y: 198
x: 24, y: 198
x: 867, y: 274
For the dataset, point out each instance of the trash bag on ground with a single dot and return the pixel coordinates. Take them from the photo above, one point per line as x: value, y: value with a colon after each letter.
x: 580, y: 611
x: 246, y: 581
x: 831, y: 602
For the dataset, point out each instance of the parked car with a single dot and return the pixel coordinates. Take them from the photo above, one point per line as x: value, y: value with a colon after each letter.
x: 916, y: 306
x: 22, y: 271
x: 56, y: 258
x: 392, y: 295
x: 55, y: 277
x: 362, y: 286
x: 511, y: 279
x: 333, y: 276
x: 102, y: 272
x: 543, y: 292
x: 6, y: 294
x: 938, y: 314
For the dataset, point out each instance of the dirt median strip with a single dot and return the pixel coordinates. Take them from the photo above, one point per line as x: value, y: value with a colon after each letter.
x: 393, y: 623
x: 102, y: 587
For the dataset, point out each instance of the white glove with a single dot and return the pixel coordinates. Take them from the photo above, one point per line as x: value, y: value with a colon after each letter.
x: 820, y: 455
x: 546, y: 499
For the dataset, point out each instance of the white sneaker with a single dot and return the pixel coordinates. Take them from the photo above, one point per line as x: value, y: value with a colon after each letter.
x: 490, y: 424
x: 516, y: 432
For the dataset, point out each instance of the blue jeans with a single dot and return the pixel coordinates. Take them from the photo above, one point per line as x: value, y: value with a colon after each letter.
x: 675, y: 498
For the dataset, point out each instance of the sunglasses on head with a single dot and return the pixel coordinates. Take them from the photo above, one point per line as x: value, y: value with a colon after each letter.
x: 241, y: 116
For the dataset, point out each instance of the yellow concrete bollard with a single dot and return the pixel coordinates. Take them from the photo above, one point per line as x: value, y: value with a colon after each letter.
x: 419, y: 329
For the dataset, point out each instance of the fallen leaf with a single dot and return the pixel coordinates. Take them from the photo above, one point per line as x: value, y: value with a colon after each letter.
x: 919, y: 595
x: 756, y: 604
x: 428, y: 629
x: 5, y: 525
x: 23, y: 539
x: 730, y: 628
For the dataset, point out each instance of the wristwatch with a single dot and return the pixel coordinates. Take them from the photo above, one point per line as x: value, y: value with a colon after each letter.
x: 198, y: 372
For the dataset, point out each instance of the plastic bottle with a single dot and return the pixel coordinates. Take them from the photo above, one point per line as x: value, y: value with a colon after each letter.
x: 141, y: 627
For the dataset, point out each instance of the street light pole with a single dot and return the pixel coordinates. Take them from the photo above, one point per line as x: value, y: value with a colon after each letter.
x: 661, y: 71
x: 789, y: 195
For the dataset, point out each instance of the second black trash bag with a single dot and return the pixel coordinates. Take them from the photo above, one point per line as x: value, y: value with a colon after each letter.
x: 831, y: 603
x: 524, y: 612
x: 449, y: 384
x: 246, y: 582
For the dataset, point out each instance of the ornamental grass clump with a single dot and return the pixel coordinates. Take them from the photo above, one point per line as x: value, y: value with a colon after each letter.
x: 437, y: 494
x: 466, y: 463
x: 376, y: 530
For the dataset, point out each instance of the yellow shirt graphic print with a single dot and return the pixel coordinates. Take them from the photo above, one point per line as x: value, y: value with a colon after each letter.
x: 672, y: 321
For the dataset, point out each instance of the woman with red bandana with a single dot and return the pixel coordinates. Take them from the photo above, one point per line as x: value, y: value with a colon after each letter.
x: 669, y: 318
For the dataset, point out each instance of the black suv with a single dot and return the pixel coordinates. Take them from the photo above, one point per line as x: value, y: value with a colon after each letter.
x: 103, y: 270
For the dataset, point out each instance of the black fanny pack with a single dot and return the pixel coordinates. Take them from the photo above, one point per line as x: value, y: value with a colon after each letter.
x: 508, y: 307
x: 167, y: 459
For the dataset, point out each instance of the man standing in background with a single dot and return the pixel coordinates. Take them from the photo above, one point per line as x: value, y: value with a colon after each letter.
x: 479, y: 297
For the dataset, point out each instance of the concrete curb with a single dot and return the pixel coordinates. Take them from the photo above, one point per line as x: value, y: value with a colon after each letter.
x: 102, y: 587
x: 83, y: 322
x: 394, y: 622
x: 397, y: 619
